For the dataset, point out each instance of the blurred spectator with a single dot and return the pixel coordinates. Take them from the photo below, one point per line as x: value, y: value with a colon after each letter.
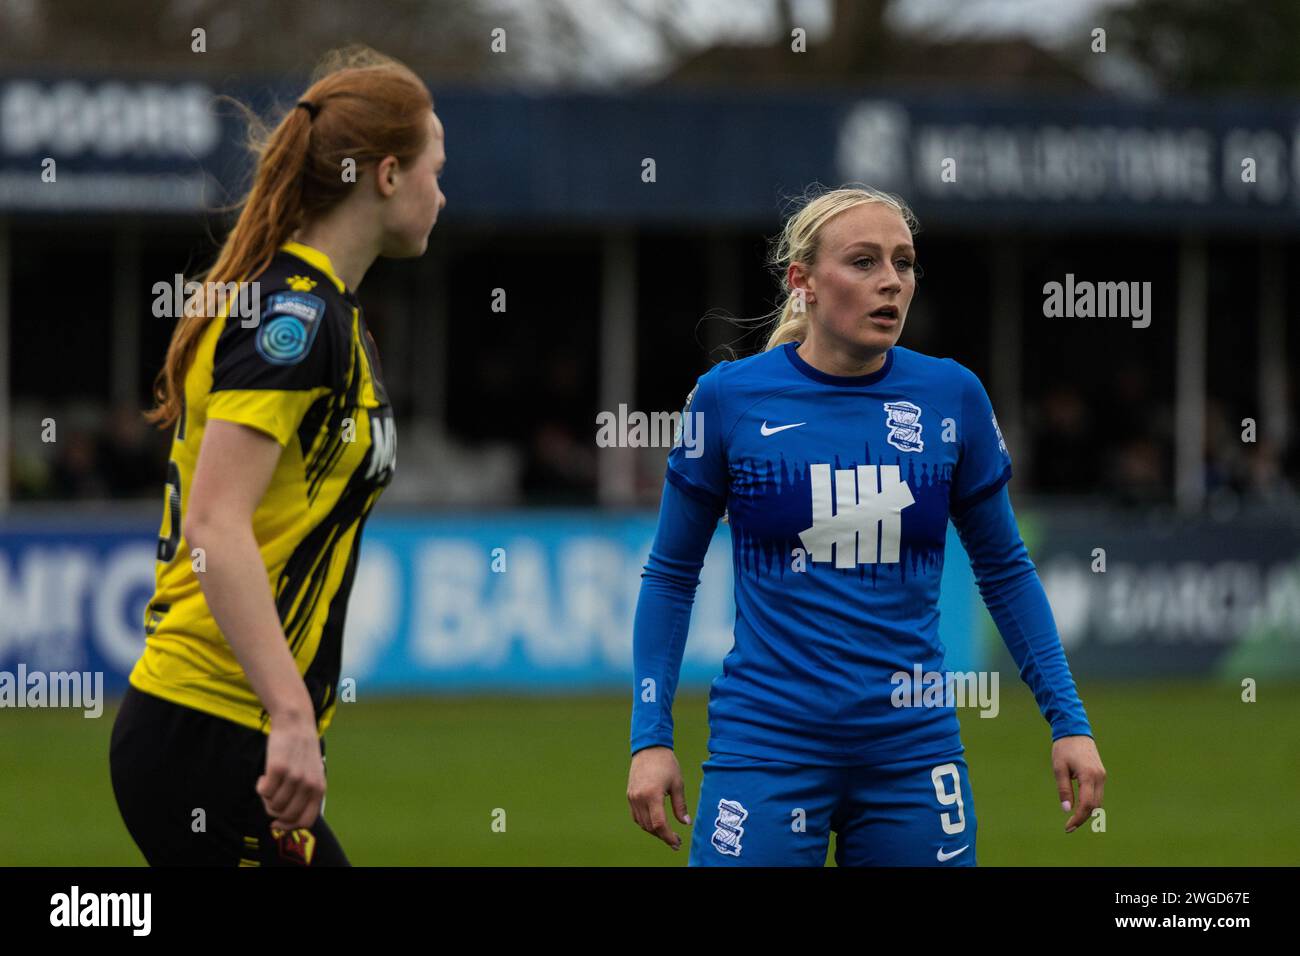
x: 130, y: 459
x: 1266, y: 481
x: 1138, y: 476
x: 77, y: 472
x: 561, y: 462
x: 1065, y: 450
x: 561, y: 466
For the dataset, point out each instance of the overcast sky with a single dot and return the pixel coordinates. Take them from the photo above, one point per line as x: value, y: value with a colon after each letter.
x: 1048, y: 21
x: 618, y: 47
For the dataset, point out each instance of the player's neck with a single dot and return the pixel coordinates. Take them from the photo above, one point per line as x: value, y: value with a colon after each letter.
x: 350, y: 254
x: 833, y: 361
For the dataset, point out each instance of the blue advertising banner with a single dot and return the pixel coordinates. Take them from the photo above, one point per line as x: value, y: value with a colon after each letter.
x: 519, y: 601
x: 1159, y: 596
x: 167, y: 145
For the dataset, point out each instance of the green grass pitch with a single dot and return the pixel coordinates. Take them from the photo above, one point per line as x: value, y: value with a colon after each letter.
x: 1196, y: 777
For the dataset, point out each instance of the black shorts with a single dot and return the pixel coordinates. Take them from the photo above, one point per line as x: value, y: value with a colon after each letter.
x: 184, y: 782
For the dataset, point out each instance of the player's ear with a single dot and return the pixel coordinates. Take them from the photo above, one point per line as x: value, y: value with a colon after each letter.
x: 386, y: 171
x: 798, y: 276
x: 794, y: 275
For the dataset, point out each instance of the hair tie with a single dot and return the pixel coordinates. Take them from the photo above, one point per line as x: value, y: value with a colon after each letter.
x: 311, y: 108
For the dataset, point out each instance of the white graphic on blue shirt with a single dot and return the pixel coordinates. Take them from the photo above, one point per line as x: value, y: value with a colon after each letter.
x: 861, y: 523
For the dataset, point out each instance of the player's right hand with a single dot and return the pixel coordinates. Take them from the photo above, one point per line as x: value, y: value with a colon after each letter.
x: 654, y: 775
x: 294, y: 782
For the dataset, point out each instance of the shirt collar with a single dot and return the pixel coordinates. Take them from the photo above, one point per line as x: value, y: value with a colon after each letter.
x: 317, y: 260
x: 846, y: 381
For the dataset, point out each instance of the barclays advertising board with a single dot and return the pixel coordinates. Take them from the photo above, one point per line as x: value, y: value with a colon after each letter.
x: 518, y: 601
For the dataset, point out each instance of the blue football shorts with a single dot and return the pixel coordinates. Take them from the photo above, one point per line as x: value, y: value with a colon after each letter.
x: 758, y: 812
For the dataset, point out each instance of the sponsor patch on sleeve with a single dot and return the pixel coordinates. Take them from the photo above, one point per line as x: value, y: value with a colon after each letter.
x: 289, y: 324
x: 686, y: 410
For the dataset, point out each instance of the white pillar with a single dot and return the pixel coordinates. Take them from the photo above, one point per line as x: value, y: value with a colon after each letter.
x: 124, y: 357
x: 395, y: 350
x: 1272, y: 417
x: 1189, y: 377
x: 725, y: 289
x: 428, y: 340
x: 616, y: 467
x: 1006, y: 349
x: 5, y: 352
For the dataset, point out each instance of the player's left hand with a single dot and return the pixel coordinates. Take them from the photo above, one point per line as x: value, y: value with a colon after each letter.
x: 1076, y: 758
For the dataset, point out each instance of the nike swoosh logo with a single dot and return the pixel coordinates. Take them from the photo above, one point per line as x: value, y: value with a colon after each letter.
x: 779, y: 428
x: 948, y: 856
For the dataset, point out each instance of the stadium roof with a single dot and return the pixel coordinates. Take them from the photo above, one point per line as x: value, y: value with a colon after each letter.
x: 975, y: 159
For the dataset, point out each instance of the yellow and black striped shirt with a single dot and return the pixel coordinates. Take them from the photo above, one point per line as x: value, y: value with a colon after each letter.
x: 306, y: 373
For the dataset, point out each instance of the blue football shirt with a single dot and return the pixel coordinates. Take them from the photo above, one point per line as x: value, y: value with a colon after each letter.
x: 838, y: 490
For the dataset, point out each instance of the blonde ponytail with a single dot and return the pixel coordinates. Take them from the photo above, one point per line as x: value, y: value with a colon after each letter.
x: 791, y: 325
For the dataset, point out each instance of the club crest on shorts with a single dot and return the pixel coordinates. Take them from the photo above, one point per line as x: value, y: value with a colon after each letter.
x: 904, y: 421
x: 727, y: 828
x: 296, y: 846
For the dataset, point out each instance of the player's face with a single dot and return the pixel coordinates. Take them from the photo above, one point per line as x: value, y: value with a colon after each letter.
x: 419, y: 198
x: 864, y: 262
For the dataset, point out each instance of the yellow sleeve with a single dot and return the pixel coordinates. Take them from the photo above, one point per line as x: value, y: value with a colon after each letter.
x: 274, y: 412
x: 267, y: 375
